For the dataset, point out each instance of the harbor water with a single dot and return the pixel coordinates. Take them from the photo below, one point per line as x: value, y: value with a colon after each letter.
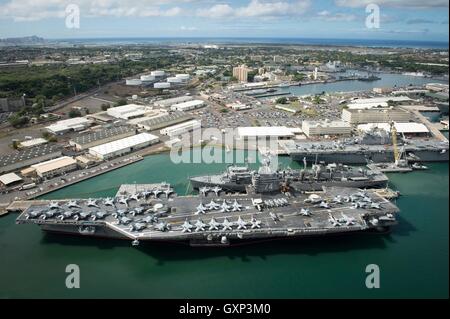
x: 413, y: 259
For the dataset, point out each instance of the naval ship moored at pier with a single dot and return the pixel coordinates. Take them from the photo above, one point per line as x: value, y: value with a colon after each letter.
x: 373, y: 147
x: 238, y: 178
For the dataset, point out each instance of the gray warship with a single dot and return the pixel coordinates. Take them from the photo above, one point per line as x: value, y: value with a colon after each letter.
x: 148, y: 213
x: 237, y: 178
x: 372, y: 147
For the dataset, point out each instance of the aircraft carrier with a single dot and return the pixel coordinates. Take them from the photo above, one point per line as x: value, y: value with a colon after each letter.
x: 370, y: 148
x: 215, y: 218
x: 237, y: 178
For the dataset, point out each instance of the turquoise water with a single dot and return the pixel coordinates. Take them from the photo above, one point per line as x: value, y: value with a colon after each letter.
x: 413, y: 259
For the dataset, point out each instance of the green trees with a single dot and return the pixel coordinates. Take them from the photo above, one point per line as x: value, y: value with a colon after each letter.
x: 282, y: 100
x: 121, y: 102
x: 74, y: 113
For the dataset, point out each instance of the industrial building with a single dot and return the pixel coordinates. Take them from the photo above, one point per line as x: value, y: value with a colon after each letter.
x: 103, y: 136
x: 160, y: 121
x: 157, y: 73
x: 127, y: 112
x: 123, y: 146
x: 266, y: 132
x: 27, y: 157
x: 378, y: 115
x: 378, y: 102
x: 71, y: 125
x: 161, y: 85
x: 176, y: 100
x: 33, y: 142
x: 55, y: 167
x: 133, y: 82
x: 409, y: 129
x: 177, y: 130
x: 10, y: 179
x: 188, y: 106
x: 320, y: 128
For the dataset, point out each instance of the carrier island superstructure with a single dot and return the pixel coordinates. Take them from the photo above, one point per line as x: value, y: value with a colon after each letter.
x: 215, y: 218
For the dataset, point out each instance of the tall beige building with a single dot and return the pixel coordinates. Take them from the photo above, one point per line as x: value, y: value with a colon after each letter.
x: 241, y: 73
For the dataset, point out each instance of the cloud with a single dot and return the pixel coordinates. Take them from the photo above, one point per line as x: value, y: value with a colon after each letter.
x: 395, y: 3
x: 257, y: 8
x: 329, y: 16
x: 33, y: 10
x: 216, y: 11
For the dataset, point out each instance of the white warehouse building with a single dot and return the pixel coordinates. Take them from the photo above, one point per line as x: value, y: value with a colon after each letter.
x: 123, y: 146
x: 188, y: 106
x: 71, y: 125
x: 161, y: 85
x: 320, y: 128
x: 172, y: 101
x: 265, y: 132
x: 182, y: 128
x: 127, y: 112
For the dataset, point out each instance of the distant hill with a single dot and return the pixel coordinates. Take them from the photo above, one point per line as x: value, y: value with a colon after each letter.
x: 31, y: 40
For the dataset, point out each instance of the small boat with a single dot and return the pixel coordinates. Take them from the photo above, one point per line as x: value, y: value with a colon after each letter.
x: 417, y: 166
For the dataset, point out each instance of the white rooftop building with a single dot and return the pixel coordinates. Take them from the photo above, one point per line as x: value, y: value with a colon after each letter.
x: 75, y: 124
x: 172, y: 101
x: 381, y: 101
x: 33, y: 142
x: 318, y: 128
x: 402, y: 128
x: 188, y: 106
x: 127, y: 112
x: 182, y: 128
x: 123, y: 146
x: 9, y: 179
x: 280, y: 132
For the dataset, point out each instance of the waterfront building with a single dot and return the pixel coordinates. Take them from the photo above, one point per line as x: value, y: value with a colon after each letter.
x: 408, y: 129
x: 55, y: 167
x: 123, y: 146
x: 321, y: 128
x: 265, y: 132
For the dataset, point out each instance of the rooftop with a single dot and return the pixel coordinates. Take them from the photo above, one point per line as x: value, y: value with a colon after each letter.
x: 265, y: 131
x: 27, y: 154
x: 124, y: 143
x: 10, y: 178
x: 54, y: 164
x: 102, y: 134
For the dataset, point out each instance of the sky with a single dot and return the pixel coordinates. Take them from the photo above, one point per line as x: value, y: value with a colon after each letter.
x: 425, y: 20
